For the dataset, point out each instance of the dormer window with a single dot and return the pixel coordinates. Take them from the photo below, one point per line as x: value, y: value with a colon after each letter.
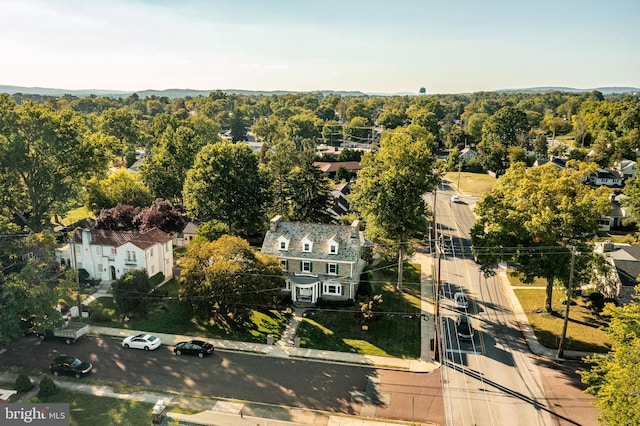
x: 283, y: 244
x: 307, y: 245
x: 333, y: 247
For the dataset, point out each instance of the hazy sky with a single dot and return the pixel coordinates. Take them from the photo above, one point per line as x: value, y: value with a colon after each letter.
x: 299, y: 45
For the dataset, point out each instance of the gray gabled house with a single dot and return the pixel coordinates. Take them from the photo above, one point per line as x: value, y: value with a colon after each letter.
x: 321, y: 261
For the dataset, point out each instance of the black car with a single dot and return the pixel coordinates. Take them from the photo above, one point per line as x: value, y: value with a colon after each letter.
x: 70, y: 365
x: 464, y: 328
x: 194, y: 347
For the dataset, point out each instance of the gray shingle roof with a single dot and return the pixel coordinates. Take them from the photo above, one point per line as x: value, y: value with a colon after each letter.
x: 320, y: 235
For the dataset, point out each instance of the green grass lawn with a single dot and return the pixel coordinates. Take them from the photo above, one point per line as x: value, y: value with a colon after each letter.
x: 101, y: 411
x: 179, y: 320
x: 77, y: 214
x: 396, y: 333
x: 474, y: 184
x: 585, y: 331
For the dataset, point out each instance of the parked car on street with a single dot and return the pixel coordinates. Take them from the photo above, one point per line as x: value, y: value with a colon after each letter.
x: 464, y: 328
x: 194, y: 347
x: 70, y: 366
x: 455, y: 199
x: 142, y: 341
x: 460, y: 300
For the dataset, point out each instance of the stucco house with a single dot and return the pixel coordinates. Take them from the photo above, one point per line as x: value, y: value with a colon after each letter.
x: 321, y: 261
x: 108, y: 255
x: 189, y: 232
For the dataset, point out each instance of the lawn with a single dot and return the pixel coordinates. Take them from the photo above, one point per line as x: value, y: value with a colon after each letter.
x: 177, y: 318
x: 98, y: 411
x: 396, y: 333
x: 474, y: 184
x: 77, y: 214
x: 584, y: 332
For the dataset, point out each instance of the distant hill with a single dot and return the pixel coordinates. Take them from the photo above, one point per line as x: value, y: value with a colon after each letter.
x: 603, y: 90
x: 182, y: 93
x: 169, y: 93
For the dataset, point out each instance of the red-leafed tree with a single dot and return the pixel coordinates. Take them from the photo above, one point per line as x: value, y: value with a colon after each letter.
x: 118, y: 218
x: 162, y: 215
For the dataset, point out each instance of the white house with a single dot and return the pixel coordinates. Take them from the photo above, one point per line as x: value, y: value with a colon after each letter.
x: 605, y: 178
x: 108, y: 255
x: 626, y: 169
x: 321, y: 261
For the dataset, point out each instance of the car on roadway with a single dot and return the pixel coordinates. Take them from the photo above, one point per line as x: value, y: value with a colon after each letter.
x: 464, y: 328
x: 460, y: 299
x: 70, y: 366
x: 146, y: 342
x: 193, y: 347
x: 455, y: 199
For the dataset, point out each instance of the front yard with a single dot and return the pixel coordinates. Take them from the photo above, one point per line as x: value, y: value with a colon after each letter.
x: 585, y: 331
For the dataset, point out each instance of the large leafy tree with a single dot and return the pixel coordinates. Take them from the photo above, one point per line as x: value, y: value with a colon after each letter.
x: 226, y: 183
x: 120, y: 187
x: 500, y: 131
x: 533, y: 215
x: 225, y: 279
x: 390, y: 185
x: 45, y: 157
x: 614, y: 378
x: 131, y: 293
x: 122, y: 125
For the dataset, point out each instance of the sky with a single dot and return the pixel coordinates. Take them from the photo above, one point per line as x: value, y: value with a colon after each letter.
x: 372, y: 46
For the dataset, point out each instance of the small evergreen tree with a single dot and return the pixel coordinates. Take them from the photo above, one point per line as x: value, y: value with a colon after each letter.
x: 47, y: 387
x: 23, y: 383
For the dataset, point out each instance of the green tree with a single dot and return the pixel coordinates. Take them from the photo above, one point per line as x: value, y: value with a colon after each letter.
x: 389, y: 189
x: 309, y: 193
x: 532, y: 215
x: 122, y: 124
x: 238, y: 126
x: 120, y: 187
x: 225, y: 183
x: 614, y: 378
x: 131, y: 293
x: 391, y: 118
x: 225, y: 279
x: 45, y: 157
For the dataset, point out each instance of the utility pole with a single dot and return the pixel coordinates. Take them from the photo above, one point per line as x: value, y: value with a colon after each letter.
x: 72, y: 246
x: 436, y: 313
x: 566, y: 309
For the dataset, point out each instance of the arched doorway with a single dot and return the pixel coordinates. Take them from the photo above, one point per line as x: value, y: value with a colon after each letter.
x: 113, y: 273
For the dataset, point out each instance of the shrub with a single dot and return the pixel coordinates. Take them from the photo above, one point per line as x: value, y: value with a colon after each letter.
x: 99, y: 315
x: 47, y: 387
x: 23, y: 383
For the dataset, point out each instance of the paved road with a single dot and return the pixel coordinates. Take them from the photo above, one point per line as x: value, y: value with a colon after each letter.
x: 331, y: 387
x: 495, y: 379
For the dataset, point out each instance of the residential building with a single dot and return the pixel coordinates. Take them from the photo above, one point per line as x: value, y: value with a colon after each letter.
x: 620, y: 281
x: 108, y: 255
x: 182, y: 239
x: 321, y: 261
x: 340, y: 204
x: 330, y: 168
x: 626, y: 169
x: 605, y: 178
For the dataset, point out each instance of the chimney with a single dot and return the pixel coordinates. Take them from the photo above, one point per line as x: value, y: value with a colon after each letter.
x: 355, y: 229
x: 273, y: 226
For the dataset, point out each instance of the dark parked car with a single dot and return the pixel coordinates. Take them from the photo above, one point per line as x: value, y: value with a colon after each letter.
x: 70, y: 365
x: 464, y: 328
x: 194, y: 347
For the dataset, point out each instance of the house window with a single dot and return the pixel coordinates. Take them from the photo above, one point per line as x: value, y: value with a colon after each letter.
x: 283, y: 264
x: 99, y: 267
x: 334, y: 289
x: 306, y: 266
x: 307, y: 245
x: 283, y: 244
x: 151, y: 252
x: 99, y: 250
x: 114, y: 251
x: 332, y: 268
x: 333, y: 248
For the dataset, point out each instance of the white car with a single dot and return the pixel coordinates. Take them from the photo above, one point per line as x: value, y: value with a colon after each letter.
x: 461, y: 301
x: 455, y: 199
x: 142, y: 341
